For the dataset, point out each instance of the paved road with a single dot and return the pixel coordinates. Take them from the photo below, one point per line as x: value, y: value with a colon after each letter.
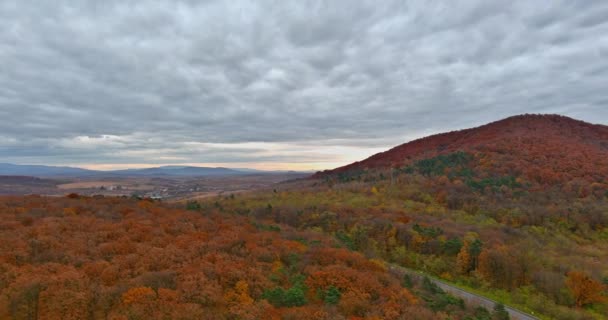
x: 469, y: 297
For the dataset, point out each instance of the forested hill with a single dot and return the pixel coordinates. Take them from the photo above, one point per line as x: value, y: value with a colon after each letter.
x: 541, y: 149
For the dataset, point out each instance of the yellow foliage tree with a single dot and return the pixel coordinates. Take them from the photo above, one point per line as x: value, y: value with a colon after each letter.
x: 463, y: 259
x: 239, y: 295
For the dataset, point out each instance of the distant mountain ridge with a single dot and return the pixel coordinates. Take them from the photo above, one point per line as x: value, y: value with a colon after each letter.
x: 543, y: 148
x: 7, y: 169
x: 179, y: 171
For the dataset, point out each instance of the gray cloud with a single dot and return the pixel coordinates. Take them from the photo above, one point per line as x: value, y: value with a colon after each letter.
x: 105, y: 82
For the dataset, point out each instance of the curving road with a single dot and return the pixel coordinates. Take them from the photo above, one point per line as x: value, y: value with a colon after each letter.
x: 469, y: 297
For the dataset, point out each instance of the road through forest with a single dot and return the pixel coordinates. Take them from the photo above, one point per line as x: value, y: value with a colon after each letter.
x: 469, y: 297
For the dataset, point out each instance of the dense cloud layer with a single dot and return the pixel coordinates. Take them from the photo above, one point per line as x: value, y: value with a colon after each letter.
x: 300, y: 83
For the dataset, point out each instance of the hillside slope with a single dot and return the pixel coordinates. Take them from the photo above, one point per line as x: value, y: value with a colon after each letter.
x: 542, y: 148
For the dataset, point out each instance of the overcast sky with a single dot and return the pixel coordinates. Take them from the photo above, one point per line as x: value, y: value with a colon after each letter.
x: 283, y: 84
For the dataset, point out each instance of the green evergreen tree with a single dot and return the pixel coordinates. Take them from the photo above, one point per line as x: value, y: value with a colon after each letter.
x: 332, y: 295
x: 406, y: 282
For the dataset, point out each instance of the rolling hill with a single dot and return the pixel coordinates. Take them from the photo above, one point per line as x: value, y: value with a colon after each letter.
x: 7, y: 169
x: 181, y: 171
x: 515, y: 208
x: 543, y: 149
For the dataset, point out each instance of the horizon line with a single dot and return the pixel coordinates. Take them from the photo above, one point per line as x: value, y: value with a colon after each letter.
x: 139, y: 166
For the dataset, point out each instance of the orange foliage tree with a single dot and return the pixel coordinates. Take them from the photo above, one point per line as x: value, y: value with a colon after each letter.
x: 585, y: 289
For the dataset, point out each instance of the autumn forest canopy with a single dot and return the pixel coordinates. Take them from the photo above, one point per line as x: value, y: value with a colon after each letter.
x: 114, y: 258
x: 516, y: 211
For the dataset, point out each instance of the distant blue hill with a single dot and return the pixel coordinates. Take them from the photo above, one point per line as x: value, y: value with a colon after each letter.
x: 177, y: 171
x: 7, y: 169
